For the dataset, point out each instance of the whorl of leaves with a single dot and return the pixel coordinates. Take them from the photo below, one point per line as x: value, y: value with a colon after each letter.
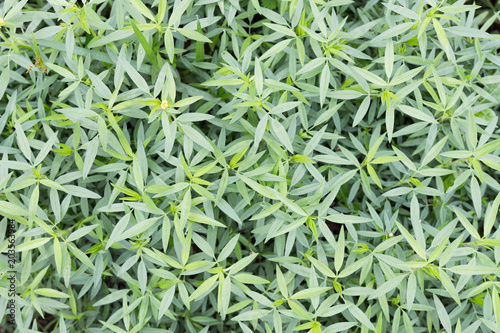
x: 251, y: 166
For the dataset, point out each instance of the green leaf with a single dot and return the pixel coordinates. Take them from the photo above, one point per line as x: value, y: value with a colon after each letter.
x: 134, y: 74
x: 487, y: 148
x: 118, y: 231
x: 496, y: 305
x: 389, y: 58
x: 141, y: 8
x: 8, y: 208
x: 228, y: 249
x: 407, y: 76
x: 328, y: 114
x: 416, y: 222
x: 191, y: 34
x: 467, y: 225
x: 411, y: 289
x: 179, y: 9
x: 81, y: 256
x: 22, y: 141
x: 310, y: 292
x: 250, y: 279
x: 32, y: 244
x: 196, y: 137
x: 81, y: 232
x: 354, y: 267
x: 448, y: 285
x: 189, y: 101
x: 362, y: 110
x: 61, y: 71
x: 360, y: 316
x: 413, y: 243
x: 434, y: 151
x: 374, y: 148
x: 394, y: 31
x: 281, y: 282
x: 251, y: 315
x: 199, y: 218
x: 443, y: 316
x: 491, y: 215
x: 341, y: 218
x: 240, y: 264
x: 443, y: 40
x: 468, y: 32
x: 57, y: 255
x: 263, y: 190
x: 138, y: 228
x: 387, y: 286
x: 281, y: 29
x: 321, y: 267
x: 301, y: 159
x: 145, y: 45
x: 114, y: 296
x: 415, y: 113
x: 339, y: 250
x: 299, y: 310
x: 203, y: 288
x: 90, y: 156
x: 448, y: 252
x: 474, y: 270
x: 51, y: 293
x: 169, y: 44
x: 324, y: 84
x: 281, y: 134
x: 274, y: 50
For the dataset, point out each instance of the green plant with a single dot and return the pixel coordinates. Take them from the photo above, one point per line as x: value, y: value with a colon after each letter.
x: 251, y: 166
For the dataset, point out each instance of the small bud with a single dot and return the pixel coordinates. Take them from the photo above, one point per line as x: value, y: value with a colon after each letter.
x: 391, y: 234
x: 164, y: 104
x: 420, y: 221
x: 1, y: 20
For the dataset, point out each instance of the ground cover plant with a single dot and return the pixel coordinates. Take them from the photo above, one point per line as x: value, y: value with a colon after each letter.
x: 249, y: 166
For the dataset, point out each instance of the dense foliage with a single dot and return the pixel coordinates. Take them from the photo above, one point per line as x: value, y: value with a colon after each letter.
x: 251, y: 166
